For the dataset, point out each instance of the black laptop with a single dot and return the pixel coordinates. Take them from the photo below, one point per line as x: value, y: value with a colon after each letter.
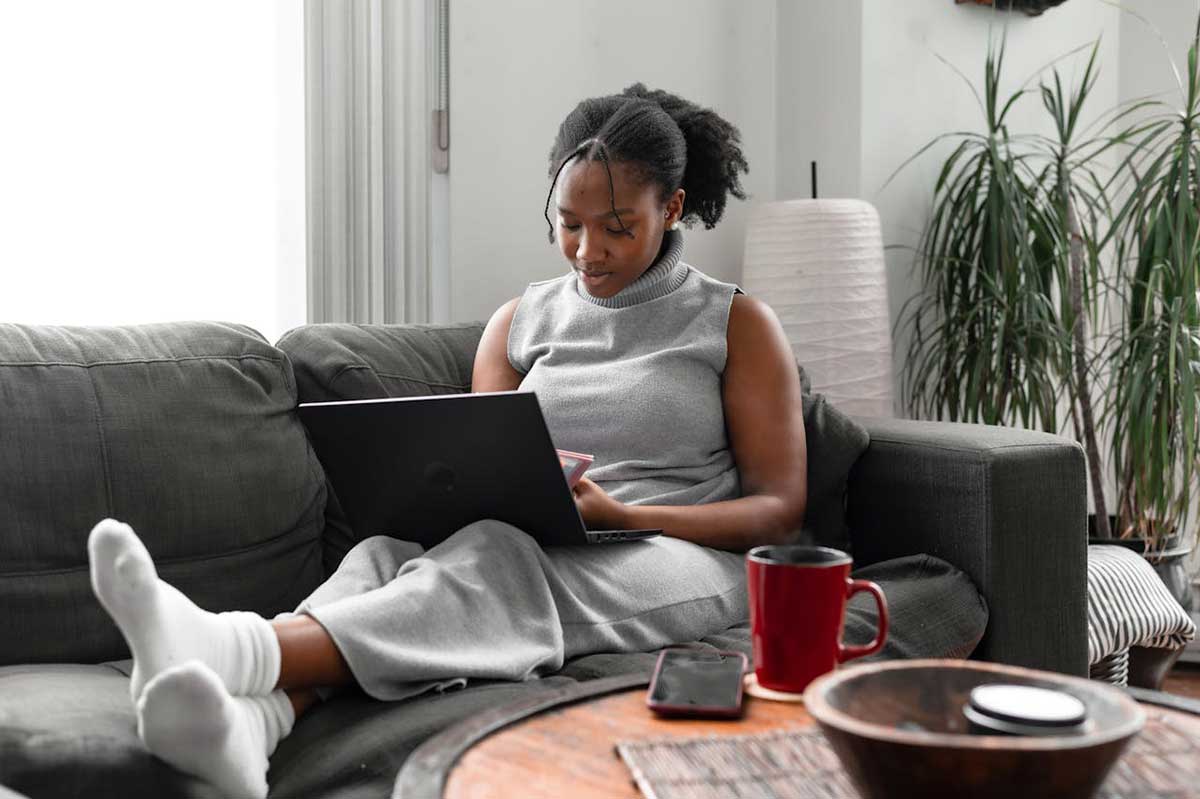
x: 422, y: 468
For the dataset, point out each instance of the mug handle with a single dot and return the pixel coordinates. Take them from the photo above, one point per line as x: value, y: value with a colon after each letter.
x: 850, y: 652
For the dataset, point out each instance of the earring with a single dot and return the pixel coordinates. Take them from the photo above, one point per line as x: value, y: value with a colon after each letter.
x: 675, y: 225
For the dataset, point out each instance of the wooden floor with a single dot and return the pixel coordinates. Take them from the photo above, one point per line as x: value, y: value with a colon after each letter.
x: 1184, y: 680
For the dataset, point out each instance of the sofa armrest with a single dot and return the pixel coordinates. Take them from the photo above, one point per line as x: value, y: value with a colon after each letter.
x: 1007, y: 506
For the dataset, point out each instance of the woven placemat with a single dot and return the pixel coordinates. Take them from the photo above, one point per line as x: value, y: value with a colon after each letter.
x: 797, y: 763
x: 1162, y: 762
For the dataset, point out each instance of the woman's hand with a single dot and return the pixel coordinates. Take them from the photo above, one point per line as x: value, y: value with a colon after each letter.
x: 598, y: 509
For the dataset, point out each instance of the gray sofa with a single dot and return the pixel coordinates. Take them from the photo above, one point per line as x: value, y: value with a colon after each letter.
x: 188, y: 431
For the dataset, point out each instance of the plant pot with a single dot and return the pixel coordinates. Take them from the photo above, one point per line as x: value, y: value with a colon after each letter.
x: 1171, y: 570
x: 1169, y: 563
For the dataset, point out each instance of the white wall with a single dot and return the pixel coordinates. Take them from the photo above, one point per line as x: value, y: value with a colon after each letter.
x: 152, y: 162
x: 1154, y: 35
x: 855, y: 85
x: 518, y: 67
x: 819, y: 98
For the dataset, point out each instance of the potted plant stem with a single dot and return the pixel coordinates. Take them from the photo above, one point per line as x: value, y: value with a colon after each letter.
x: 1154, y: 360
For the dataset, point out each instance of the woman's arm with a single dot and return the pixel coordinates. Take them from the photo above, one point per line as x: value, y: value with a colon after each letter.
x: 765, y: 422
x: 492, y: 370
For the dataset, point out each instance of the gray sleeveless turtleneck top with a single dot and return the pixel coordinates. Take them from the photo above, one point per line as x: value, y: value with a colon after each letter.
x: 634, y: 379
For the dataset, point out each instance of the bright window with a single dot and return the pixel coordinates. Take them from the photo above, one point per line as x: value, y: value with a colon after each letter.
x: 152, y: 162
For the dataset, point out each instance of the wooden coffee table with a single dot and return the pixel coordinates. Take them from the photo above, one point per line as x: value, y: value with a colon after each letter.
x: 560, y: 743
x: 563, y: 744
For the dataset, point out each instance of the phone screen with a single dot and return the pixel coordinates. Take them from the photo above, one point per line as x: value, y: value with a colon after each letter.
x: 698, y: 679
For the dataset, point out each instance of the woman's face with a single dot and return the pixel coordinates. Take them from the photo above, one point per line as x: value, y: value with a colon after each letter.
x: 608, y: 258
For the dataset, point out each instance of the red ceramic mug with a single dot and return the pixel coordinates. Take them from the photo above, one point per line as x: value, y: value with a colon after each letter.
x: 797, y: 609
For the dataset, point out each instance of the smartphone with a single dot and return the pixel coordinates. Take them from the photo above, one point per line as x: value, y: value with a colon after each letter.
x: 689, y: 682
x: 574, y: 465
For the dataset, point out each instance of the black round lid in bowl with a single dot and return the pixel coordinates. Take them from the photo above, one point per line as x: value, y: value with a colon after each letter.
x: 1007, y: 709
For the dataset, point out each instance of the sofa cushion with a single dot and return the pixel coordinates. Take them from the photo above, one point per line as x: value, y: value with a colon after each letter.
x: 935, y: 610
x: 343, y: 361
x: 834, y: 442
x: 70, y: 731
x: 186, y: 431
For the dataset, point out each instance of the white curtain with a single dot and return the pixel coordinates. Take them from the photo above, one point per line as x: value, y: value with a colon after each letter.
x: 367, y: 87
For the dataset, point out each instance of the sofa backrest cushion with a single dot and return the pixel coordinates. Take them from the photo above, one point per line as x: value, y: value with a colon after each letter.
x: 347, y: 362
x: 834, y: 442
x: 342, y: 362
x: 186, y: 431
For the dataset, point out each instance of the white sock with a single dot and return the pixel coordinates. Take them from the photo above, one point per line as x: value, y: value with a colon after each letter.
x: 164, y: 628
x: 187, y: 718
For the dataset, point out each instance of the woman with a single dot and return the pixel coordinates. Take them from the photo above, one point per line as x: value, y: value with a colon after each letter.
x: 684, y: 389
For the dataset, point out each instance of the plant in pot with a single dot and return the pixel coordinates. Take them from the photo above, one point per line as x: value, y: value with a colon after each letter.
x: 1010, y: 266
x: 1023, y: 250
x: 1154, y: 359
x: 984, y: 335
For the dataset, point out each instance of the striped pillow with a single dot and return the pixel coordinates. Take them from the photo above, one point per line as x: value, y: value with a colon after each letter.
x: 1128, y: 605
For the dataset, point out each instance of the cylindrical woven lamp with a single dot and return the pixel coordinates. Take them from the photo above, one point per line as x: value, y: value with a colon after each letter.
x: 819, y: 265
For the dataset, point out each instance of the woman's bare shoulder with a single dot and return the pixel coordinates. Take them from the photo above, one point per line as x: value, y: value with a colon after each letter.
x: 493, y: 371
x: 751, y: 322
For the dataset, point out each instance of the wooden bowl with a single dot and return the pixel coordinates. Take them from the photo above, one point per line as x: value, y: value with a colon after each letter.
x: 899, y: 730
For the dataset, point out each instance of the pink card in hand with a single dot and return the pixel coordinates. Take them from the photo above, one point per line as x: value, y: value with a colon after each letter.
x: 574, y: 465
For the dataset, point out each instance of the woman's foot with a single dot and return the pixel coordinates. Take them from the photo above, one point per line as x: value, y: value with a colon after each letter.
x: 187, y: 718
x: 164, y: 628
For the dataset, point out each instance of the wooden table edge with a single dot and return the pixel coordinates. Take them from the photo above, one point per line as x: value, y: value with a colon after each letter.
x: 425, y: 772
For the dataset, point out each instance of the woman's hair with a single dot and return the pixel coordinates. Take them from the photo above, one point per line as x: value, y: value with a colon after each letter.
x: 667, y: 141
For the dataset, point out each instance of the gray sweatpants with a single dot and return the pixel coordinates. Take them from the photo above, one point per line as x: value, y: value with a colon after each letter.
x: 489, y: 603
